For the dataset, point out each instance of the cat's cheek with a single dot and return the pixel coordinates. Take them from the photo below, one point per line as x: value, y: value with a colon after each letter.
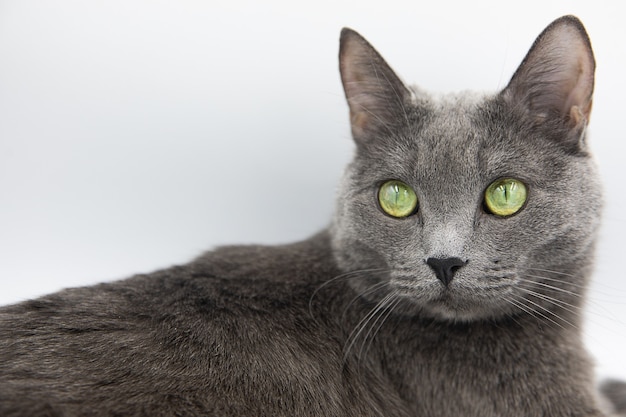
x: 548, y: 237
x: 359, y: 245
x: 371, y: 238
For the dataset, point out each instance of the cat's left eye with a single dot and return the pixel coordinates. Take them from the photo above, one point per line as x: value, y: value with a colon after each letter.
x: 505, y: 197
x: 397, y: 199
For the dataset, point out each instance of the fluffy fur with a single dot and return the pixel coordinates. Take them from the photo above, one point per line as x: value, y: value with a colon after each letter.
x: 353, y: 321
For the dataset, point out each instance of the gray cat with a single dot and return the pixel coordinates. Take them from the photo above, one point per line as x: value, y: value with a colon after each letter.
x: 450, y: 282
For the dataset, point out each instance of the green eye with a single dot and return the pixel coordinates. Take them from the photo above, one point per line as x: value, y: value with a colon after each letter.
x: 505, y: 196
x: 397, y: 199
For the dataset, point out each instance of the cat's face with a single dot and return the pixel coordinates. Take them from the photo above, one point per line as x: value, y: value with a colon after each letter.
x: 468, y: 207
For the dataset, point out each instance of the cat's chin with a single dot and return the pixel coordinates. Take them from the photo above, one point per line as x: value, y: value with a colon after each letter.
x: 445, y: 312
x: 454, y: 308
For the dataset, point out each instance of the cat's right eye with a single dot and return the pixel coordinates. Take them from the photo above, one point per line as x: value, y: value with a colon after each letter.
x: 397, y: 199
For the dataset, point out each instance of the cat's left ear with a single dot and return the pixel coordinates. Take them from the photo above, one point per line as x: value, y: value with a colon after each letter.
x: 555, y: 80
x: 376, y: 96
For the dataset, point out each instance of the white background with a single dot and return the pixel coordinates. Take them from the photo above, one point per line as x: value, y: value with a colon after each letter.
x: 136, y: 134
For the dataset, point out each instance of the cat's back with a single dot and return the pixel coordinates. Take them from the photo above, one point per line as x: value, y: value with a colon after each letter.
x: 229, y: 334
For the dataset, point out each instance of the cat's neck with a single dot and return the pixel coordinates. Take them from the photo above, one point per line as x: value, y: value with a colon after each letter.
x: 495, y: 354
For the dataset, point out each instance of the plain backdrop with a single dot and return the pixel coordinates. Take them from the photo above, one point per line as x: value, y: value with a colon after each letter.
x: 135, y: 134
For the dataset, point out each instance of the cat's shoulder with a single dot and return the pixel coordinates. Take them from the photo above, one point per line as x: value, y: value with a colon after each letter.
x: 300, y: 261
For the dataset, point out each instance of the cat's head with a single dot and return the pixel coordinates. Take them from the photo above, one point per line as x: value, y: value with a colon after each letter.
x: 471, y: 206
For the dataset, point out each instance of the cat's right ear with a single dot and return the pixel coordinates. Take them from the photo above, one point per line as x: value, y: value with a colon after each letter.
x: 555, y: 80
x: 376, y: 96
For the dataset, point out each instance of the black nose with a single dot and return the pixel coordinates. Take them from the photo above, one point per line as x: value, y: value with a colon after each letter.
x: 445, y: 268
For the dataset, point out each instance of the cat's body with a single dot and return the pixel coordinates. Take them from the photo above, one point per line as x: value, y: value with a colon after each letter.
x: 228, y: 335
x: 450, y: 308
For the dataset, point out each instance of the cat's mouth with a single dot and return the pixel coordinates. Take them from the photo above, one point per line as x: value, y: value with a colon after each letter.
x: 457, y: 301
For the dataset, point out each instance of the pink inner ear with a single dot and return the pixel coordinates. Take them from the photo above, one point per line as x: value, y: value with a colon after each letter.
x: 557, y: 76
x: 358, y: 120
x: 353, y: 57
x: 576, y: 78
x: 572, y: 79
x: 578, y: 102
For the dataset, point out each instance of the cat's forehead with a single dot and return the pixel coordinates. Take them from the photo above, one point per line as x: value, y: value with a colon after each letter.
x: 452, y: 122
x: 453, y: 136
x: 444, y: 117
x: 461, y: 139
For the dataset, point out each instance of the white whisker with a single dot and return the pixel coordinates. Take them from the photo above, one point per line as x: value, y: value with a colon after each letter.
x: 378, y: 323
x: 552, y: 287
x: 555, y: 301
x: 582, y: 286
x: 529, y: 309
x: 367, y: 291
x: 542, y: 308
x: 346, y: 275
x: 520, y: 306
x: 552, y: 272
x: 358, y: 329
x: 592, y: 305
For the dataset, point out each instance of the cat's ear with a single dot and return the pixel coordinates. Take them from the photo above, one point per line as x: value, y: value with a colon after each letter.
x: 376, y: 96
x: 555, y: 79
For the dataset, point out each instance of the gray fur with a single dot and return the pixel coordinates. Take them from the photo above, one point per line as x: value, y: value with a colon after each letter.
x: 615, y: 392
x: 352, y: 322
